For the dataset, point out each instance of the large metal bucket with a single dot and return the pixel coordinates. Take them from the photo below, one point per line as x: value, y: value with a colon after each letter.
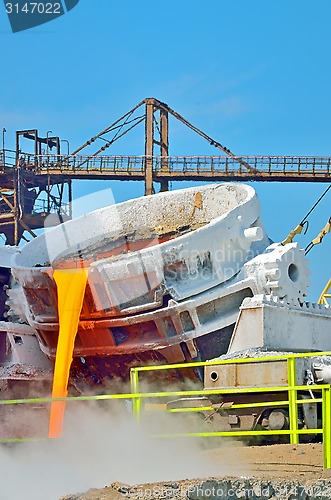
x: 144, y: 255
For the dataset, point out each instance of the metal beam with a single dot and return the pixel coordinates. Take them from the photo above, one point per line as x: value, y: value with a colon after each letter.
x: 164, y: 146
x: 108, y: 129
x: 212, y: 142
x: 266, y: 168
x: 149, y: 146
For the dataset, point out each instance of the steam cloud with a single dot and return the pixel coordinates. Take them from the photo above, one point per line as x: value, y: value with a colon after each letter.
x: 98, y: 449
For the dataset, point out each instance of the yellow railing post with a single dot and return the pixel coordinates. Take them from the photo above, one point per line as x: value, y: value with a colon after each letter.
x: 292, y: 398
x: 136, y: 402
x: 326, y: 411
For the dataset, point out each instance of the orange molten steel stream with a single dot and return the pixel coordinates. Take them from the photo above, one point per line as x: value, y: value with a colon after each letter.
x: 71, y: 284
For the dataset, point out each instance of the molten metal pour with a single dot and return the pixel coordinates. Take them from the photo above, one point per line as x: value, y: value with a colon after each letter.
x: 71, y: 284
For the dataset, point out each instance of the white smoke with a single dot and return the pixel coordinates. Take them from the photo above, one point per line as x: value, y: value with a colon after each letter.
x: 98, y: 448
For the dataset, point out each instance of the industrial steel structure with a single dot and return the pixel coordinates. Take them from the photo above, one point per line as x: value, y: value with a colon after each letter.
x: 182, y: 276
x: 37, y: 183
x: 26, y: 199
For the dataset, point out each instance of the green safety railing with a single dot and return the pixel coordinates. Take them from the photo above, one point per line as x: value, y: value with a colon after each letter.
x: 137, y: 396
x: 291, y: 388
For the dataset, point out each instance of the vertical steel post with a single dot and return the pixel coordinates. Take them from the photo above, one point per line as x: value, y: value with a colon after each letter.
x: 15, y: 182
x: 3, y: 146
x: 14, y: 237
x: 48, y: 191
x: 70, y: 198
x: 292, y: 397
x: 149, y: 146
x: 136, y: 402
x: 326, y: 421
x: 164, y: 146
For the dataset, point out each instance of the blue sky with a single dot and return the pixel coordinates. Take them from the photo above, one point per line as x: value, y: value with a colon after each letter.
x: 254, y: 75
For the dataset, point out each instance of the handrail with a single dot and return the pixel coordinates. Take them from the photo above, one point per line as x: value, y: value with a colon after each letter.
x: 137, y: 396
x: 179, y: 166
x: 292, y: 432
x: 231, y: 361
x: 291, y: 388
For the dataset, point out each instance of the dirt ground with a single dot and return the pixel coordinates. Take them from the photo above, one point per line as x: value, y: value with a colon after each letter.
x: 284, y: 462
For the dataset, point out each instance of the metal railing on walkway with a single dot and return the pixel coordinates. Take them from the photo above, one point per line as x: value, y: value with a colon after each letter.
x: 7, y: 159
x: 268, y: 168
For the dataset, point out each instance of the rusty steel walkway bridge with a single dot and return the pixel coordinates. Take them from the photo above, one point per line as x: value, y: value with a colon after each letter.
x: 49, y: 172
x: 35, y: 184
x: 177, y: 168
